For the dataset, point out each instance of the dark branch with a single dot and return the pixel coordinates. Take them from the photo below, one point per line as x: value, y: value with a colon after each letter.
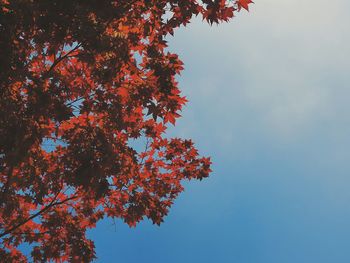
x: 45, y: 209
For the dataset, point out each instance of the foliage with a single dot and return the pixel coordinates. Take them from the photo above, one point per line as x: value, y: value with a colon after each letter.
x: 80, y: 82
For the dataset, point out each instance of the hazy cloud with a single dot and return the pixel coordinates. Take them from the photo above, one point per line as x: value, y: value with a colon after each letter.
x: 284, y: 65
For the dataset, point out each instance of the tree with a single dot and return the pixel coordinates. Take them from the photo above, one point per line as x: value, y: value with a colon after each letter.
x: 83, y: 84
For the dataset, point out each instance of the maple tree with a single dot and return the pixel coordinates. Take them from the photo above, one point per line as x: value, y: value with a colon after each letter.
x: 81, y: 83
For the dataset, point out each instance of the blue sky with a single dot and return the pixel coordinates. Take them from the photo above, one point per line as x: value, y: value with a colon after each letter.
x: 268, y: 100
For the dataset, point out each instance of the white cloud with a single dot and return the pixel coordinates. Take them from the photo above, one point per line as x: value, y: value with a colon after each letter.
x: 282, y: 68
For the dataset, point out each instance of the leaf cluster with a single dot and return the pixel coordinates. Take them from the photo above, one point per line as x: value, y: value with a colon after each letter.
x: 80, y: 82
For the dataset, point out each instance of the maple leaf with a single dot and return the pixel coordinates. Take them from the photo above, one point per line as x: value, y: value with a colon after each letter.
x: 244, y: 4
x: 79, y: 82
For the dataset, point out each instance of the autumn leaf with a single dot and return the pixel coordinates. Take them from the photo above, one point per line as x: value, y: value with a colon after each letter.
x: 87, y: 93
x: 244, y: 4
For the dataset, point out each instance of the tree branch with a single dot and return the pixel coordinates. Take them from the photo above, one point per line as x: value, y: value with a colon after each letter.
x: 60, y: 58
x: 50, y: 205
